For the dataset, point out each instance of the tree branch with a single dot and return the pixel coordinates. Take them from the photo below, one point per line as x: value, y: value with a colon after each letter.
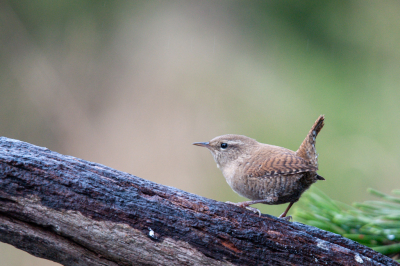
x: 77, y: 212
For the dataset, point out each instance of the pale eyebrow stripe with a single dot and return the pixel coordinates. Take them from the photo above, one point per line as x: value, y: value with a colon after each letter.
x: 234, y: 142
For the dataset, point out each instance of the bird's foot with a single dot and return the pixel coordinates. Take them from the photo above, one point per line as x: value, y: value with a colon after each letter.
x: 245, y: 205
x: 286, y: 218
x: 255, y: 210
x: 283, y: 215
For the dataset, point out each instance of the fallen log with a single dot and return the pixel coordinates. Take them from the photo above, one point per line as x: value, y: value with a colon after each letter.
x: 76, y: 212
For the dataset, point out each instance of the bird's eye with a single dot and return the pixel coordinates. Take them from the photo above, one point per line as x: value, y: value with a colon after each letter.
x: 224, y: 145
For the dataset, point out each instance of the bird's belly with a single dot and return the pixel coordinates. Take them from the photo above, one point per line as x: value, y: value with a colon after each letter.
x: 276, y: 189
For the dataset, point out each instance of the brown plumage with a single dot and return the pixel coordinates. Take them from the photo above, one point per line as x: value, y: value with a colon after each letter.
x: 266, y: 173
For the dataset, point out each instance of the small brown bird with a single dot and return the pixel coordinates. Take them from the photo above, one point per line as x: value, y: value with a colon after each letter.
x: 266, y: 173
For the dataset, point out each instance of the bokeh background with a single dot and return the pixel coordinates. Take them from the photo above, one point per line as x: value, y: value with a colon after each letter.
x: 131, y: 84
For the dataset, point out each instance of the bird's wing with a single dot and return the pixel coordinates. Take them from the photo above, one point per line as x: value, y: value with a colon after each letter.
x: 280, y: 164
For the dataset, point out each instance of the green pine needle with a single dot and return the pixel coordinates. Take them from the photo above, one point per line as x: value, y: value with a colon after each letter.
x: 372, y: 223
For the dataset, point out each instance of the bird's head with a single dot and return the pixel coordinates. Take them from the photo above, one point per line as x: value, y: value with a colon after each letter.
x: 228, y: 148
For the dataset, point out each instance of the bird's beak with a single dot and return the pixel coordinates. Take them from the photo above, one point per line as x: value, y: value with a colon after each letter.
x: 202, y: 144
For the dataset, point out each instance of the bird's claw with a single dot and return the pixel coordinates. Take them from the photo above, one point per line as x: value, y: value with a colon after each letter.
x: 286, y: 218
x: 255, y: 210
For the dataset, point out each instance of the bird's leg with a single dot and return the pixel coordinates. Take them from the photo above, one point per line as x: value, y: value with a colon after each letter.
x: 245, y: 204
x: 283, y: 215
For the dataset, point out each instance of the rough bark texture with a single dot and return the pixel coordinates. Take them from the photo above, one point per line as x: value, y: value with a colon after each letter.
x: 77, y: 212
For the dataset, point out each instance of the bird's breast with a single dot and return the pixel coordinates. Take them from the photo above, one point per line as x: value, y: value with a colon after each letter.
x: 229, y: 172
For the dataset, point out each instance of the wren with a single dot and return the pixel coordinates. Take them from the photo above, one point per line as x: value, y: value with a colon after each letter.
x: 266, y: 173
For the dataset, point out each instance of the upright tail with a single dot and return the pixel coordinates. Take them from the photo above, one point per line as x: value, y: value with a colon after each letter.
x: 307, y: 149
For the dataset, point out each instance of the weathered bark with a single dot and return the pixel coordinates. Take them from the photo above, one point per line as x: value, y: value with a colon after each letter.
x: 81, y: 213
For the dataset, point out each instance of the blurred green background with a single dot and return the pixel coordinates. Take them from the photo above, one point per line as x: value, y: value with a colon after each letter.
x: 131, y: 84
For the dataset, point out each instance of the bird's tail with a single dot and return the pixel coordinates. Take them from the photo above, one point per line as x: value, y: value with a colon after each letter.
x: 307, y: 149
